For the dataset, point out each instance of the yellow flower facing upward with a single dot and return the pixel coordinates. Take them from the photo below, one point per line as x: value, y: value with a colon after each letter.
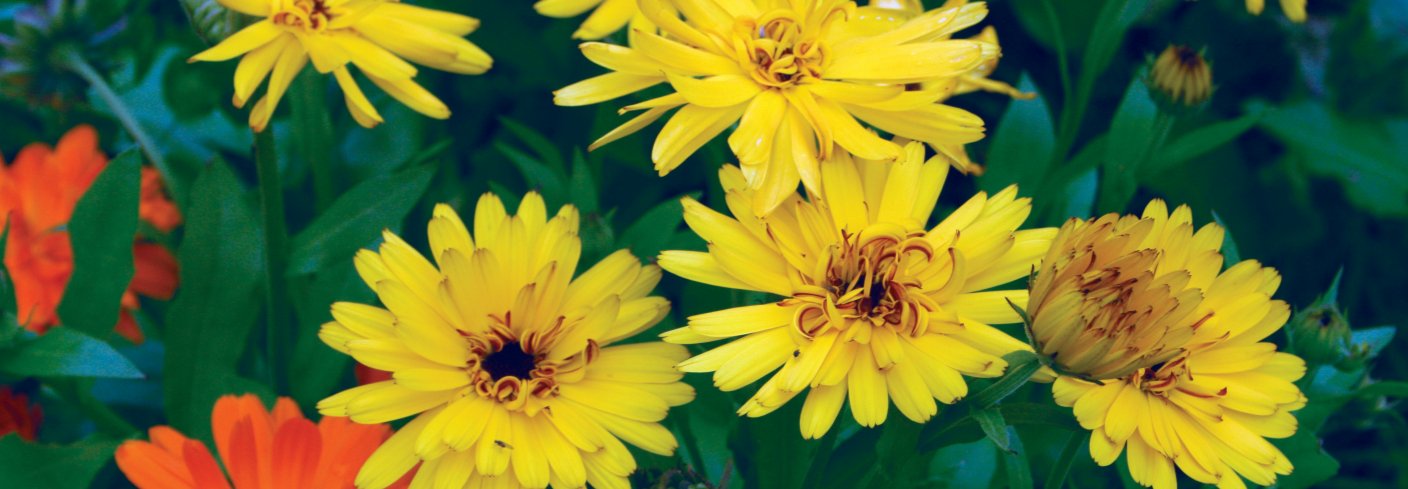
x: 876, y: 306
x: 506, y: 361
x: 373, y: 35
x: 795, y: 76
x: 610, y: 15
x: 1160, y: 355
x: 1294, y: 9
x: 1181, y: 76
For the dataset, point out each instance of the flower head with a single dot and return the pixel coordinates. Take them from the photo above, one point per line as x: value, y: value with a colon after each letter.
x: 258, y: 449
x: 507, y: 362
x: 796, y: 76
x: 373, y: 35
x: 608, y: 17
x: 38, y: 193
x: 876, y: 306
x: 1294, y: 9
x: 18, y: 415
x: 1161, y: 355
x: 1181, y: 77
x: 36, y: 64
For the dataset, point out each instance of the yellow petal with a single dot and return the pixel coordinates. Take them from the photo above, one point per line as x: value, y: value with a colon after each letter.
x: 687, y: 131
x: 602, y: 88
x: 247, y: 39
x: 414, y: 96
x: 608, y: 18
x: 714, y: 91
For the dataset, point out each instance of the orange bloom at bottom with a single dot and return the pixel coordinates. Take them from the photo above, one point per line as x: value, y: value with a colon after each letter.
x: 18, y: 415
x: 259, y: 450
x: 37, y: 196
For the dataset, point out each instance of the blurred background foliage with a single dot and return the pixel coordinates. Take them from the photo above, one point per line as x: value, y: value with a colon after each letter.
x: 1300, y: 154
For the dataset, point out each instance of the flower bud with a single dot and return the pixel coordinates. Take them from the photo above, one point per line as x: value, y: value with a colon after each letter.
x: 1180, y: 79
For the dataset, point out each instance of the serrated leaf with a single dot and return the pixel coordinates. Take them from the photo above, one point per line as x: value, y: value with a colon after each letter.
x: 24, y: 464
x: 208, y: 324
x: 101, y: 231
x: 65, y: 352
x: 357, y: 218
x: 1021, y: 146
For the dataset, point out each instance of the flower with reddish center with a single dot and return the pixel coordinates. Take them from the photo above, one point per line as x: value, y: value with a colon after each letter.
x: 18, y: 415
x: 257, y: 448
x: 38, y: 194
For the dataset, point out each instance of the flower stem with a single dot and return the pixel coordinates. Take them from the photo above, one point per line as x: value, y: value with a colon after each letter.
x: 74, y: 61
x: 271, y: 200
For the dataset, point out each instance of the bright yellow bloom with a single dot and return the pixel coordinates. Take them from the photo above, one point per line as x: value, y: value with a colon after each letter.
x: 874, y: 307
x: 1294, y: 9
x: 1160, y: 353
x: 373, y: 35
x: 505, y: 361
x: 795, y: 75
x: 610, y: 15
x: 1181, y: 76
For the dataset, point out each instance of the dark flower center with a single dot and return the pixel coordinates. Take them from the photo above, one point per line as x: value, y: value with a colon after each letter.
x: 511, y: 361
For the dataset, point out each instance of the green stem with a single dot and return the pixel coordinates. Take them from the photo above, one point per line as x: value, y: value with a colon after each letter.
x: 313, y: 135
x: 1062, y: 59
x: 75, y: 62
x: 271, y: 200
x: 1057, y: 478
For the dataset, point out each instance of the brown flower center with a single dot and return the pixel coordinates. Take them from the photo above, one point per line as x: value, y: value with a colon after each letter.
x: 869, y: 279
x: 309, y: 15
x: 779, y: 51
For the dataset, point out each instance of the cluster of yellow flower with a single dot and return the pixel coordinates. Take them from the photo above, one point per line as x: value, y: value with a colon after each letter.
x: 514, y: 368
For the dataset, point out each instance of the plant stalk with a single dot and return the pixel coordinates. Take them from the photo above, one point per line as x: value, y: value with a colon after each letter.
x: 271, y: 200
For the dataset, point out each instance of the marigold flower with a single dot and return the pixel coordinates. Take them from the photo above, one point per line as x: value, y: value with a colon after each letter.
x: 795, y: 76
x: 257, y: 448
x: 1294, y: 9
x: 18, y: 415
x: 1181, y: 76
x: 373, y: 35
x: 608, y: 17
x: 875, y: 305
x: 38, y: 193
x: 505, y: 361
x: 1161, y: 354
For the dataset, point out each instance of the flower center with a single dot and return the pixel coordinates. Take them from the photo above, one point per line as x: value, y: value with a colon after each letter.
x: 1161, y: 378
x: 309, y: 15
x: 869, y: 282
x: 780, y: 50
x: 511, y: 361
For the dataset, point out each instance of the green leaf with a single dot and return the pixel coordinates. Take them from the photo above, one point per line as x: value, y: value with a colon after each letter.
x: 540, y: 177
x: 651, y: 233
x: 994, y: 427
x: 1022, y: 145
x: 1199, y: 141
x: 1015, y: 464
x: 584, y: 194
x: 953, y: 427
x: 1056, y: 479
x: 208, y: 324
x: 212, y: 21
x: 1361, y: 155
x: 1131, y: 134
x: 1373, y: 340
x: 313, y: 134
x: 316, y: 369
x: 1020, y: 367
x: 768, y: 451
x: 24, y: 464
x: 103, y: 226
x: 1230, y: 255
x: 540, y: 145
x: 1396, y: 389
x: 1313, y: 465
x: 357, y: 218
x: 65, y: 352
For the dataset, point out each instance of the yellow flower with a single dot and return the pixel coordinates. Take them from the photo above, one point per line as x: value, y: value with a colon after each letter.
x: 1181, y: 76
x: 1160, y: 354
x: 373, y: 35
x: 610, y: 15
x: 504, y: 360
x: 876, y: 306
x: 1294, y: 9
x: 795, y: 76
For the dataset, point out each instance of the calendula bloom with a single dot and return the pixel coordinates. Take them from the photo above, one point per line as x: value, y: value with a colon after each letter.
x: 608, y: 17
x: 373, y: 35
x: 795, y: 76
x: 18, y: 415
x: 505, y: 361
x: 38, y: 193
x: 1294, y: 9
x: 1181, y: 76
x: 1160, y: 355
x: 875, y: 306
x: 257, y: 448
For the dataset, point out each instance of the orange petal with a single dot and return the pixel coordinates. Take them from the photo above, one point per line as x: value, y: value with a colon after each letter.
x: 204, y: 471
x: 297, y: 448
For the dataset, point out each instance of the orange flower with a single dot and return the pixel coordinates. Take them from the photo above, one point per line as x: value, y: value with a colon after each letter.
x: 258, y: 449
x: 38, y: 193
x: 17, y: 415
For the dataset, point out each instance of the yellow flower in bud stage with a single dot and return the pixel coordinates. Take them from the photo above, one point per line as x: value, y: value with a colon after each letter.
x: 373, y: 35
x: 608, y: 17
x: 795, y: 76
x: 1294, y: 9
x: 505, y: 361
x: 1160, y: 355
x: 875, y: 305
x: 1181, y: 76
